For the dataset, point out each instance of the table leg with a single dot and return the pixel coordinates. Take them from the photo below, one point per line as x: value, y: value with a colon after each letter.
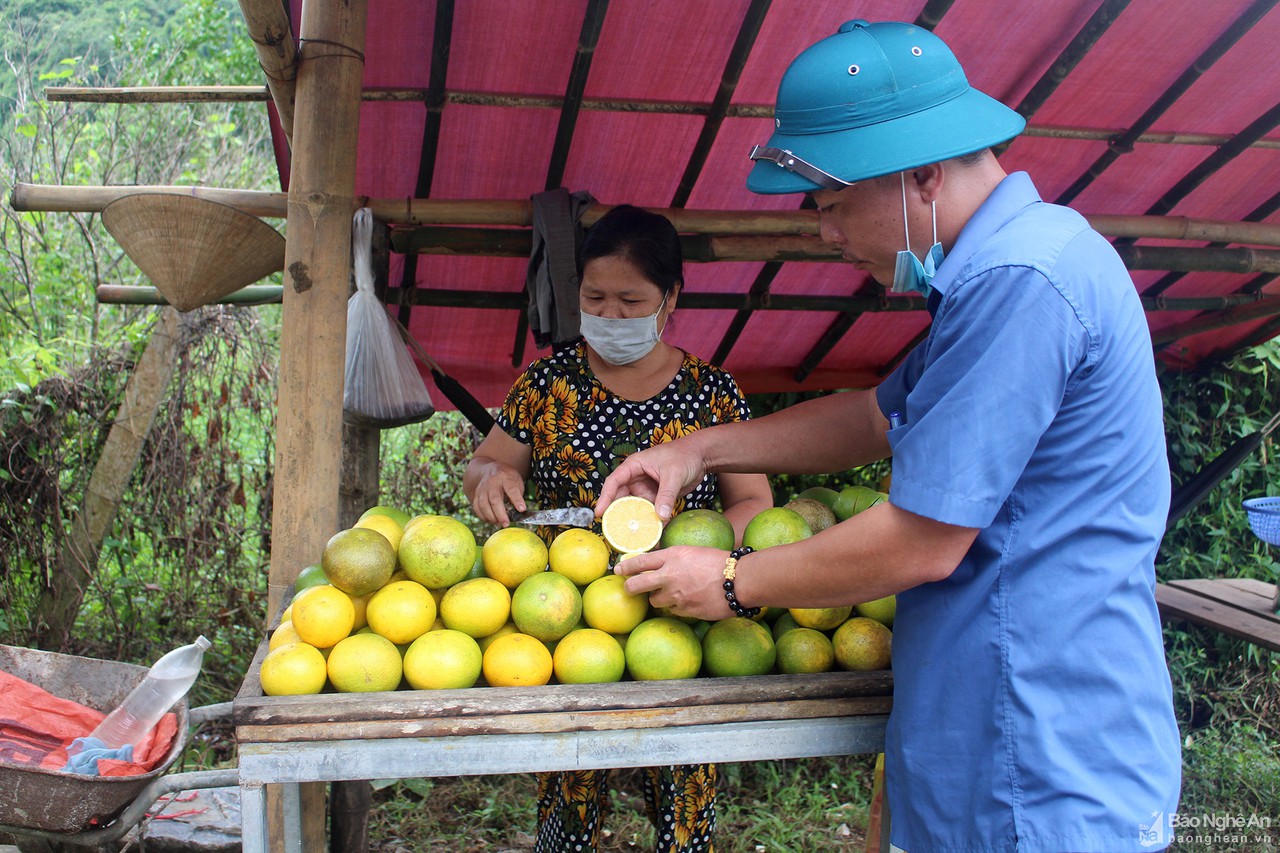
x: 253, y: 817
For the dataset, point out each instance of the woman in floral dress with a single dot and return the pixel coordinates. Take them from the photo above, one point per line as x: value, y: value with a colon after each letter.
x: 567, y: 422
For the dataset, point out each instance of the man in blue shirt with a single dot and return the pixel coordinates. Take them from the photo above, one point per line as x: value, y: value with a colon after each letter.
x: 1032, y: 704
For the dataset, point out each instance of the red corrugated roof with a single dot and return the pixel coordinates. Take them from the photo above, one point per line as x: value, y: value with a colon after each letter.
x: 676, y: 52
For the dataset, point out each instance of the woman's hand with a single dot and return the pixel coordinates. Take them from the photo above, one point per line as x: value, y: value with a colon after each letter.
x: 495, y: 477
x: 497, y: 486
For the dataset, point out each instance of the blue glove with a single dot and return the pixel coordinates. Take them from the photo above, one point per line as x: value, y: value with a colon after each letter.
x: 84, y: 752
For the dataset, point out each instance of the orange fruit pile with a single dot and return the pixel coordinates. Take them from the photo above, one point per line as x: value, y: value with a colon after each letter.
x: 399, y: 601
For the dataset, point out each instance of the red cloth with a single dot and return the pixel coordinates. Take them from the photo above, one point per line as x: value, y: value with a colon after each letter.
x: 36, y: 728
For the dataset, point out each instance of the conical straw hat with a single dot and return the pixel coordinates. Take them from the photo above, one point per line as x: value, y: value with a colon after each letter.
x: 195, y: 251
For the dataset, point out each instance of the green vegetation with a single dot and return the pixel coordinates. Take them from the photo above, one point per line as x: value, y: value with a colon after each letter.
x: 187, y: 552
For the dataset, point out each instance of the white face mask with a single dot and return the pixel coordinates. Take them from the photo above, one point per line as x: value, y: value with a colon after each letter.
x: 908, y: 272
x: 622, y: 340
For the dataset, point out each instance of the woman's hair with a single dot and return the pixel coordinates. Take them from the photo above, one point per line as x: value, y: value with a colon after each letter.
x: 647, y: 240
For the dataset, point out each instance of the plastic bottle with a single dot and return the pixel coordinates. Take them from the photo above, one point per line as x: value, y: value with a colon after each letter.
x: 168, y: 680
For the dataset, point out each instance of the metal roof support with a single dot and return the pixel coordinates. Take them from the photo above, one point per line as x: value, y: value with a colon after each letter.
x: 1239, y: 143
x: 759, y: 289
x: 442, y: 37
x: 931, y: 15
x: 588, y: 36
x: 592, y: 24
x: 1124, y: 143
x: 738, y: 57
x: 1097, y: 25
x: 839, y: 326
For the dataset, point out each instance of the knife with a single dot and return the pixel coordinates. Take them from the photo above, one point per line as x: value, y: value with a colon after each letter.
x: 572, y: 516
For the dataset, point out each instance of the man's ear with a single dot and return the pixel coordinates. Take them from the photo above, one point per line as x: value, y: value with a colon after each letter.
x: 928, y: 181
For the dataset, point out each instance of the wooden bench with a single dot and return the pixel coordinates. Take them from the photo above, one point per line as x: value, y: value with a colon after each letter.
x: 1241, y: 607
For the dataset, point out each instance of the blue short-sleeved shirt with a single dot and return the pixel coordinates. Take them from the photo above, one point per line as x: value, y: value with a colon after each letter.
x: 1032, y: 704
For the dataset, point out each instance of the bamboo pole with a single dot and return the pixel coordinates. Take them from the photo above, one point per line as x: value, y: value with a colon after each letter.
x: 1267, y: 306
x: 307, y: 471
x: 514, y: 300
x: 272, y: 36
x: 519, y: 213
x: 317, y: 276
x: 157, y: 94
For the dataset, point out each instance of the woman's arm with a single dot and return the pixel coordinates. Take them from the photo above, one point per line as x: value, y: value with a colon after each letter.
x: 495, y: 476
x: 744, y: 496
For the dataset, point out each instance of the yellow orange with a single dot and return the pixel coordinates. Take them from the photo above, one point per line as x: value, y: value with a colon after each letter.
x: 358, y: 560
x: 364, y: 663
x: 294, y: 669
x: 443, y: 660
x: 580, y: 555
x: 588, y: 656
x: 863, y: 644
x: 820, y: 618
x: 384, y: 524
x: 476, y: 607
x: 485, y: 642
x: 546, y: 605
x: 662, y: 648
x: 631, y: 525
x: 607, y: 605
x: 401, y: 611
x: 323, y: 615
x: 436, y: 551
x: 284, y: 633
x: 517, y: 660
x: 512, y: 554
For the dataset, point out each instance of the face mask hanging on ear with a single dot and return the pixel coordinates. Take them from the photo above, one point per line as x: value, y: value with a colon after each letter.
x: 908, y: 272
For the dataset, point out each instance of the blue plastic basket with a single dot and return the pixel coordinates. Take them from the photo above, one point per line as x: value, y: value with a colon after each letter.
x: 1264, y: 518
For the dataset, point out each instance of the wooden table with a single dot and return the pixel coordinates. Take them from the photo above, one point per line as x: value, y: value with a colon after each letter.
x: 1241, y: 607
x: 290, y: 740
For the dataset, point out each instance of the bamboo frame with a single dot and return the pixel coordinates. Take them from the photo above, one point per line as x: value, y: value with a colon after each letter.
x: 214, y: 94
x: 519, y: 213
x: 1246, y: 306
x: 272, y: 36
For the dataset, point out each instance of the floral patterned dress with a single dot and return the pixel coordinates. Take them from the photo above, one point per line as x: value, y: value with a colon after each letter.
x: 579, y: 431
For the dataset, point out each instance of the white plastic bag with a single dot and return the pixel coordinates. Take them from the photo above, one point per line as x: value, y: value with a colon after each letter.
x: 383, y: 386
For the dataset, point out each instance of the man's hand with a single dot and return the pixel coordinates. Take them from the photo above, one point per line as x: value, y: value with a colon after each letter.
x: 660, y: 474
x: 686, y: 579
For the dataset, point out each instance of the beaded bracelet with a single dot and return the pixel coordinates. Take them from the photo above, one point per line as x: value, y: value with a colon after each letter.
x: 731, y: 572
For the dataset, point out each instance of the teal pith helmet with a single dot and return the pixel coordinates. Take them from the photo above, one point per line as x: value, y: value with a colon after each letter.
x: 871, y: 100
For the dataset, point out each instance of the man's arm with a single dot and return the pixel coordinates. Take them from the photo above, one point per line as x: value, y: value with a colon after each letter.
x: 831, y: 433
x: 880, y: 551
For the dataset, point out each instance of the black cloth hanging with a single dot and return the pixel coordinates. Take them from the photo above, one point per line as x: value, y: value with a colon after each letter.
x: 552, y: 278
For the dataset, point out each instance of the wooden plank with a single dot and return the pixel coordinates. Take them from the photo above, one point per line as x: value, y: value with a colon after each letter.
x: 553, y: 722
x: 1259, y: 627
x: 251, y: 709
x: 1245, y: 593
x: 535, y: 752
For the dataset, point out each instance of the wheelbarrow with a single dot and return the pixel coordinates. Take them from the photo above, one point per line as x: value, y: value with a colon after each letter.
x: 55, y: 809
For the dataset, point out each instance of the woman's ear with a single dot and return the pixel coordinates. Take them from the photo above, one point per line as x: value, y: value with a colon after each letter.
x: 673, y: 295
